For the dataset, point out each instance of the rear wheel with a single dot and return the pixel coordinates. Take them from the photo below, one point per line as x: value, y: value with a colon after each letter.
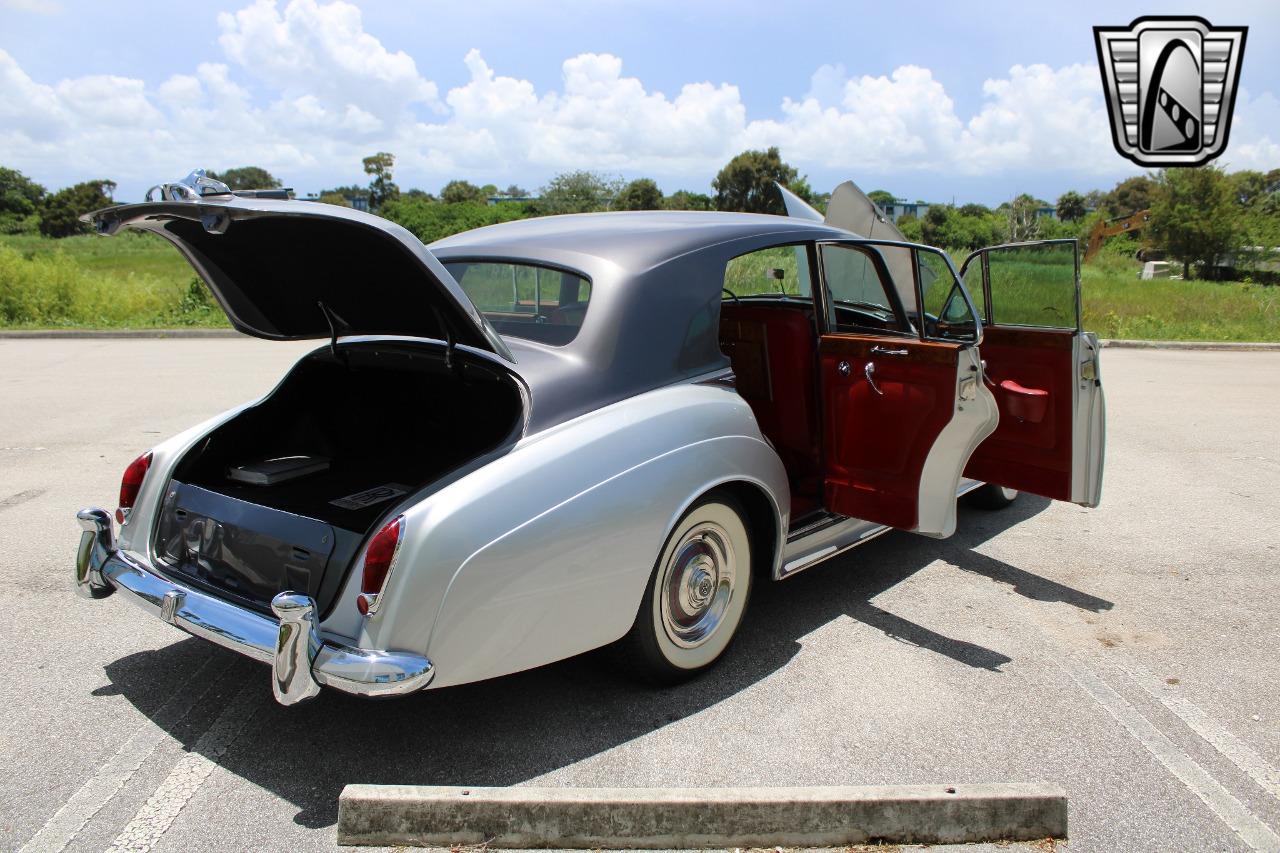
x: 991, y: 496
x: 696, y: 596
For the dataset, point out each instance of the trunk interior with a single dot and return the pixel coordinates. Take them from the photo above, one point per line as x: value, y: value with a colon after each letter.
x: 389, y: 418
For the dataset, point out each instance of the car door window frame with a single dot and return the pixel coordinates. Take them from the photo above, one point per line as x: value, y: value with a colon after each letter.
x: 886, y: 282
x: 915, y: 325
x: 957, y: 288
x: 984, y: 256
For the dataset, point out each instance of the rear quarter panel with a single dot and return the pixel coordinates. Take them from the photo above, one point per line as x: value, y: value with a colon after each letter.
x: 545, y: 552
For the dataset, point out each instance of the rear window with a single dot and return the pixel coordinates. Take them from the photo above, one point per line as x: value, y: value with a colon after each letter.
x: 525, y: 300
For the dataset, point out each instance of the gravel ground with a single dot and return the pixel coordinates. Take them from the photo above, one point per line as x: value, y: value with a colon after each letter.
x: 1127, y: 653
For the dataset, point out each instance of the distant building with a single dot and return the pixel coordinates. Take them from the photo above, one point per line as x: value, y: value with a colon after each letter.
x: 1051, y: 212
x: 358, y: 201
x: 496, y: 199
x: 901, y: 207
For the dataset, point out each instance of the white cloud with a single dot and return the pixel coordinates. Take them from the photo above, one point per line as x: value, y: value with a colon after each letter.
x: 902, y: 121
x: 323, y: 52
x: 1255, y: 133
x: 38, y: 7
x: 306, y: 92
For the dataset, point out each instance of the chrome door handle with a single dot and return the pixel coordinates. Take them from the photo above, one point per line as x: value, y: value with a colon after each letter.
x: 879, y: 350
x: 843, y: 368
x: 870, y: 372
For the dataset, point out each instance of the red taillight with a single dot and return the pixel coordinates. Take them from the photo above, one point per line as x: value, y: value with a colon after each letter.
x: 378, y: 559
x: 131, y: 483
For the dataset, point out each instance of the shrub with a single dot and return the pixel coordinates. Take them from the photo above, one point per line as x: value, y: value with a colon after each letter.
x: 430, y: 221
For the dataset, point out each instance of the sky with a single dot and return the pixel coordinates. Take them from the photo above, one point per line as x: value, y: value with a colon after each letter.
x: 966, y: 102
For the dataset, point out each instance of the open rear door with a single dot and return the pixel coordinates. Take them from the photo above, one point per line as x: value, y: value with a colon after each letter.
x: 904, y: 406
x: 1044, y: 371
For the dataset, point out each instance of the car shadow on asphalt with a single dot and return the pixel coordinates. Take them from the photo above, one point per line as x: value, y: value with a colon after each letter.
x: 512, y: 729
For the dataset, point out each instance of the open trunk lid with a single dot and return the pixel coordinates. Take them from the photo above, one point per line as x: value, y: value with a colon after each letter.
x: 294, y: 270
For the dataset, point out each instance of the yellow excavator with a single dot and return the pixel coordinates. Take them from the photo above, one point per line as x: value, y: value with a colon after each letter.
x: 1110, y: 228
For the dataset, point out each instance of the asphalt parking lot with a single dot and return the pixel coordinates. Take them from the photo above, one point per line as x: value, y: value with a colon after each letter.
x: 1128, y: 653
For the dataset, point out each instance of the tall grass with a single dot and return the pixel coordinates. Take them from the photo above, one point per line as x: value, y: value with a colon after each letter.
x: 138, y: 280
x: 130, y: 281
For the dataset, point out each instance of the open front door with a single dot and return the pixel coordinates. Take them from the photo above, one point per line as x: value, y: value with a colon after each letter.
x: 1043, y: 370
x: 904, y: 405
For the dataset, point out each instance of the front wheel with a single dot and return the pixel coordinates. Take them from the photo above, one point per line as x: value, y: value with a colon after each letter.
x: 991, y: 496
x: 696, y: 595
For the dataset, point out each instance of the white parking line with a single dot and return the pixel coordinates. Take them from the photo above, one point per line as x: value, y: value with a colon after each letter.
x: 61, y: 829
x: 1219, y: 800
x: 1235, y: 750
x: 158, y: 813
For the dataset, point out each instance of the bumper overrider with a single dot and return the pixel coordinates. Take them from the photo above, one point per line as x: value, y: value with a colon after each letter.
x: 301, y: 660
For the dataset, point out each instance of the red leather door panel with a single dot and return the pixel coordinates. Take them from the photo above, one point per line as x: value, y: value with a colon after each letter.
x: 1023, y: 453
x: 875, y: 445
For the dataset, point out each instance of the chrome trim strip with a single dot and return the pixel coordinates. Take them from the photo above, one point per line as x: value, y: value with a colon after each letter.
x: 799, y: 563
x: 301, y: 659
x: 841, y: 545
x: 822, y: 523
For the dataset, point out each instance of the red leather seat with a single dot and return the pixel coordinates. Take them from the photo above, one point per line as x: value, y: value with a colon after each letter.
x: 784, y: 398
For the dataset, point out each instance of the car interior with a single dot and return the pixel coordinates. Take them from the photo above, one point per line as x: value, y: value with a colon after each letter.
x: 769, y: 332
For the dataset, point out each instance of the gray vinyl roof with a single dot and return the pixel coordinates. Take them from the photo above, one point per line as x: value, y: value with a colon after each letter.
x: 655, y: 298
x: 633, y: 241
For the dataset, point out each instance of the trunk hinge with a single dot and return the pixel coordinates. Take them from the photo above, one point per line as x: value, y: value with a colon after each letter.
x: 448, y: 342
x: 335, y: 322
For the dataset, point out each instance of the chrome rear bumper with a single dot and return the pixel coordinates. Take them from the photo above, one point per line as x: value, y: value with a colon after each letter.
x: 301, y: 660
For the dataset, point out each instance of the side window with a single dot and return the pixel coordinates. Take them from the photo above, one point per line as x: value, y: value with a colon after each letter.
x: 947, y: 314
x: 776, y: 271
x: 525, y: 300
x: 1033, y: 285
x: 859, y: 290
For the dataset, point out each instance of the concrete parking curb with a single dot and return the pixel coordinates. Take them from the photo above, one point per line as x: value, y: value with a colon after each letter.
x: 63, y: 334
x: 691, y: 818
x: 1229, y: 346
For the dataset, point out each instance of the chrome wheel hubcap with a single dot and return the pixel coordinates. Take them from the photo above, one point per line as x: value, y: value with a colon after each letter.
x: 697, y: 585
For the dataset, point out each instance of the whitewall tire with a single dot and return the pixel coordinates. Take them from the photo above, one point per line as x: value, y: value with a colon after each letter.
x: 696, y: 595
x: 991, y: 496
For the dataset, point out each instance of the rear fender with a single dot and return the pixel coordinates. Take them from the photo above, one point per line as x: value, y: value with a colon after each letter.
x: 545, y: 552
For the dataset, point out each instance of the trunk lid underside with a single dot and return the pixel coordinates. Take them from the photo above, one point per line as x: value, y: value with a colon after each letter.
x: 293, y: 270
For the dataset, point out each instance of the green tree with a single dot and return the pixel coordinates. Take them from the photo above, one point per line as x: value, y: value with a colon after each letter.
x: 579, y: 192
x: 933, y: 225
x: 746, y: 183
x: 334, y: 198
x: 883, y: 198
x: 1070, y: 206
x: 461, y: 192
x: 20, y: 199
x: 382, y: 188
x: 1130, y: 195
x: 640, y: 194
x: 1248, y: 186
x: 246, y: 178
x: 912, y: 228
x: 1021, y: 222
x: 60, y: 213
x: 430, y: 221
x: 1195, y: 217
x: 685, y: 200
